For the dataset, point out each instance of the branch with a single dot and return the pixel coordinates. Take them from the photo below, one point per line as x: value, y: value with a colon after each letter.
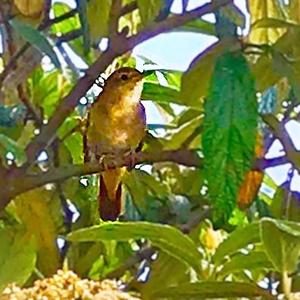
x: 69, y: 102
x: 279, y: 131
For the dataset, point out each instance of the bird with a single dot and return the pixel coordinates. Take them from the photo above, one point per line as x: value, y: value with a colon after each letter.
x: 116, y: 127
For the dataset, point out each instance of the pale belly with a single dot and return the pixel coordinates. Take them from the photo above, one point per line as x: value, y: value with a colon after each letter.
x: 116, y: 134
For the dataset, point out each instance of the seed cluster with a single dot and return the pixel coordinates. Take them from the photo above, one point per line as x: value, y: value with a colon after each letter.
x: 66, y: 285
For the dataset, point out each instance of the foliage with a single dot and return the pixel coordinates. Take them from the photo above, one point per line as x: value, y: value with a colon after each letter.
x: 202, y: 218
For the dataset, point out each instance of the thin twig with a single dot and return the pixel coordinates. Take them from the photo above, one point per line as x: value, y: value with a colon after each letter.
x: 279, y: 131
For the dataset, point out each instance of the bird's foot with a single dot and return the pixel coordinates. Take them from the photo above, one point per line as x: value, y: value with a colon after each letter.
x: 108, y: 161
x: 131, y: 159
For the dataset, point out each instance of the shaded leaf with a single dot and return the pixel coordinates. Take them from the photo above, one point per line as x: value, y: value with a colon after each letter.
x: 37, y: 39
x: 161, y: 269
x: 195, y: 81
x: 9, y: 145
x: 169, y: 239
x: 149, y: 9
x: 82, y: 9
x: 17, y: 256
x: 98, y: 18
x: 197, y: 26
x: 212, y: 290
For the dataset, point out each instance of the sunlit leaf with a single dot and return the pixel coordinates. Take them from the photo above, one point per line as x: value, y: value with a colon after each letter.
x: 241, y: 262
x: 36, y: 210
x: 167, y: 238
x: 159, y: 93
x: 17, y: 256
x: 285, y: 253
x: 262, y: 9
x: 237, y: 240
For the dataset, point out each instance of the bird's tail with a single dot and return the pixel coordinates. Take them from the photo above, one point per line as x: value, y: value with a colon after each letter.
x: 110, y: 194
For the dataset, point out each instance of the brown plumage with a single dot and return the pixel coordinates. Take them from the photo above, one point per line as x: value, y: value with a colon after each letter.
x: 116, y: 127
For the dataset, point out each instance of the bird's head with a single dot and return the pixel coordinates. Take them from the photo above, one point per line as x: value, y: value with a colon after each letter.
x: 124, y: 78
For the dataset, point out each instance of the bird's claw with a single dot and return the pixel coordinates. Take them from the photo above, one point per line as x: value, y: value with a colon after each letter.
x: 108, y: 161
x: 131, y: 159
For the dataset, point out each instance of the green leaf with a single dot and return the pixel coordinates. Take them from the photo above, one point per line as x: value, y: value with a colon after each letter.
x: 149, y: 9
x: 161, y: 269
x: 98, y: 18
x: 75, y: 145
x: 17, y: 256
x: 82, y: 9
x: 229, y: 134
x: 167, y: 238
x: 197, y: 26
x: 36, y: 38
x: 195, y: 81
x: 67, y: 25
x: 273, y: 23
x: 285, y: 251
x: 9, y: 145
x: 160, y: 94
x: 212, y: 290
x: 241, y: 262
x: 40, y: 211
x: 237, y: 240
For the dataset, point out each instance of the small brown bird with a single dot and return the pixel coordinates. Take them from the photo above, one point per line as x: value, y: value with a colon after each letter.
x: 116, y: 127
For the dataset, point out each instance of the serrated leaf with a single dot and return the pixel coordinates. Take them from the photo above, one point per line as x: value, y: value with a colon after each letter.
x: 229, y: 131
x: 237, y: 240
x: 149, y: 9
x: 17, y: 256
x: 241, y: 262
x: 212, y: 290
x: 285, y: 253
x: 98, y: 18
x: 167, y: 238
x: 36, y: 38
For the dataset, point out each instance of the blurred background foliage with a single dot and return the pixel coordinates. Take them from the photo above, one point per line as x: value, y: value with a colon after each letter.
x: 229, y: 230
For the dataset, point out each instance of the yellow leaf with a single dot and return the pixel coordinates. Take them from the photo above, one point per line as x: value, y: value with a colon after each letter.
x: 262, y: 9
x: 195, y: 81
x: 34, y: 211
x: 98, y: 18
x: 30, y: 8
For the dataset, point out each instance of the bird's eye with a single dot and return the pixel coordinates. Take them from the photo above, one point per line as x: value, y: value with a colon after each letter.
x: 124, y: 77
